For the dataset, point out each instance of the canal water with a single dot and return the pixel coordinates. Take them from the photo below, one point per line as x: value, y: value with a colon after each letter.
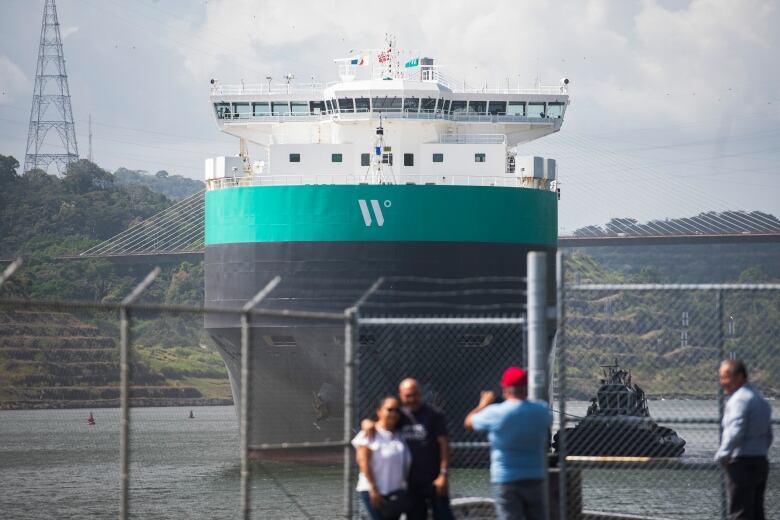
x: 53, y: 465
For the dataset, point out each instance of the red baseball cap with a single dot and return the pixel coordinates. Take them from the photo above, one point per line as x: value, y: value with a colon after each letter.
x: 514, y: 376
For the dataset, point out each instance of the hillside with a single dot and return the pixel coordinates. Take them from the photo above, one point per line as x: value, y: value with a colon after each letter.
x: 175, y: 187
x: 52, y: 358
x: 643, y: 331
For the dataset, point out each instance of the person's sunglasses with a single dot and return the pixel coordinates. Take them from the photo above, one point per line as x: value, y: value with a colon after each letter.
x: 396, y: 410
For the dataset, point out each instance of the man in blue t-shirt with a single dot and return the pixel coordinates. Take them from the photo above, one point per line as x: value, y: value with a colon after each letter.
x: 518, y: 434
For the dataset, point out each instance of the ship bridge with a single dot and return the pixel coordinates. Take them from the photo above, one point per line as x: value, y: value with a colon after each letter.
x: 400, y: 124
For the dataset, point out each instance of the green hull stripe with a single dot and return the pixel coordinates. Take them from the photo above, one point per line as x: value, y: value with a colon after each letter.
x: 406, y: 212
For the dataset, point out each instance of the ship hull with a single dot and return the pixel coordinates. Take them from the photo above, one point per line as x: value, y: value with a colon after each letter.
x: 621, y: 439
x: 297, y: 365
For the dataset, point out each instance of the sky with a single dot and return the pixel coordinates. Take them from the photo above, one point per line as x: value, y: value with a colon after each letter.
x: 675, y: 105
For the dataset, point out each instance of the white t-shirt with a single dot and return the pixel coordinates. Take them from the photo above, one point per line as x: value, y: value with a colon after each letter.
x: 390, y: 460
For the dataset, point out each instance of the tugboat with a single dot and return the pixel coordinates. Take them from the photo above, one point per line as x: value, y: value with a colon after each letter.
x: 618, y: 423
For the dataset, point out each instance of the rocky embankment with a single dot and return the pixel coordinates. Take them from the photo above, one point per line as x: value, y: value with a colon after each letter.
x: 60, y: 360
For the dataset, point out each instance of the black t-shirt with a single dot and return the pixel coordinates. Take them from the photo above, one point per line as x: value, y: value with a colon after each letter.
x: 420, y: 430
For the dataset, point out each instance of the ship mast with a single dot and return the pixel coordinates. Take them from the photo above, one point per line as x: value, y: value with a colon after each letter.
x: 380, y: 170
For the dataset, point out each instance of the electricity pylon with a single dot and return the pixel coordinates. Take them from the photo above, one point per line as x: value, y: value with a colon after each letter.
x: 51, y: 92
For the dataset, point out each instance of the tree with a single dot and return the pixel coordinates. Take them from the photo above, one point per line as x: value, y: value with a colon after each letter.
x: 8, y: 167
x: 83, y: 176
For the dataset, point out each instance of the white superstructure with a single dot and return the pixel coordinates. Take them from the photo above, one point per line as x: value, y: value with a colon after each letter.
x: 400, y: 124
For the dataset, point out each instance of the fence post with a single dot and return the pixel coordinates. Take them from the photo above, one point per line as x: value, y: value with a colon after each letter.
x: 537, y: 335
x: 246, y: 351
x: 536, y: 309
x: 560, y: 280
x: 721, y: 356
x: 349, y: 408
x: 124, y: 390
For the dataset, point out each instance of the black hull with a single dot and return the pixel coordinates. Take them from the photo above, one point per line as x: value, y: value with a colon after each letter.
x: 616, y: 440
x: 298, y: 364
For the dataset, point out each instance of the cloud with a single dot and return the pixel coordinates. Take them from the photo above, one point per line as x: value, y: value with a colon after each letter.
x: 634, y: 59
x: 67, y: 31
x: 13, y: 82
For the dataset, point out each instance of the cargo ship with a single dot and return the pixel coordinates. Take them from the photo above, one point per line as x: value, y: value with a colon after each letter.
x: 392, y: 171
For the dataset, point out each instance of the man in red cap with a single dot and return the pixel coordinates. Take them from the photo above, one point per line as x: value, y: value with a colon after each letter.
x: 518, y: 433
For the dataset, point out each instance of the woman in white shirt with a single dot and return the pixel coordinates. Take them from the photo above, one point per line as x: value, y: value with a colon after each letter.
x: 384, y: 460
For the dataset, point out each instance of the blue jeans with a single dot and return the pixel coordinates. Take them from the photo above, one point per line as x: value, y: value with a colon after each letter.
x: 373, y: 512
x: 520, y: 500
x: 424, y: 494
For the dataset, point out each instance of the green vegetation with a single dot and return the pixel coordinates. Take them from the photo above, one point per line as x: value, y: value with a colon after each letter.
x: 669, y: 339
x: 175, y: 187
x: 64, y: 359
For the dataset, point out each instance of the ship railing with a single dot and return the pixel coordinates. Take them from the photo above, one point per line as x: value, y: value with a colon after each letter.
x: 282, y: 88
x: 218, y: 89
x: 473, y: 139
x: 362, y: 114
x: 351, y: 179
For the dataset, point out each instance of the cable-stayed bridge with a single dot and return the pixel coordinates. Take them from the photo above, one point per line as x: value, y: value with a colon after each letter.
x: 178, y: 233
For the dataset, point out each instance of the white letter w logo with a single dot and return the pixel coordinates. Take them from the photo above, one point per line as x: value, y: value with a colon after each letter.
x: 380, y: 219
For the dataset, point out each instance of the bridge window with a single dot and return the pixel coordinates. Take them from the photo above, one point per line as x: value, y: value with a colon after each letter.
x: 535, y: 109
x: 477, y: 107
x: 346, y: 105
x: 387, y: 104
x: 428, y: 105
x: 317, y: 107
x: 327, y: 104
x: 497, y: 108
x: 280, y: 108
x: 479, y: 157
x: 411, y: 104
x: 299, y: 107
x: 241, y: 110
x: 438, y: 157
x: 362, y: 104
x: 365, y: 159
x: 446, y: 109
x: 295, y: 157
x: 223, y: 110
x: 458, y: 107
x: 336, y: 157
x: 555, y: 110
x: 260, y: 109
x: 408, y: 159
x: 516, y: 108
x: 333, y: 104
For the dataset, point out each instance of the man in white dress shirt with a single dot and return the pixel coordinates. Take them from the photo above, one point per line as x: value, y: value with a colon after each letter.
x: 747, y: 435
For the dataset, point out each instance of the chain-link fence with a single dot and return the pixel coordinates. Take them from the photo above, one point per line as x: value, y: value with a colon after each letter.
x: 126, y: 409
x: 56, y: 460
x: 455, y: 337
x: 638, y: 394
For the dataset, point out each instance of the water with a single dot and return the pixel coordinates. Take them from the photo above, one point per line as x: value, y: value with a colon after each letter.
x: 53, y: 465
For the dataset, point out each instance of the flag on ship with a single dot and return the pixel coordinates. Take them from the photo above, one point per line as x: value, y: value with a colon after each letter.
x: 358, y: 60
x: 414, y: 62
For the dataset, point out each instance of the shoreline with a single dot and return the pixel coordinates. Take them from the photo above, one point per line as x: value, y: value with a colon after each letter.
x: 113, y: 403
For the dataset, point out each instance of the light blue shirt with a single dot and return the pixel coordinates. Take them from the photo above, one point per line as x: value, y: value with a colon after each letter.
x: 518, y: 434
x: 747, y: 425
